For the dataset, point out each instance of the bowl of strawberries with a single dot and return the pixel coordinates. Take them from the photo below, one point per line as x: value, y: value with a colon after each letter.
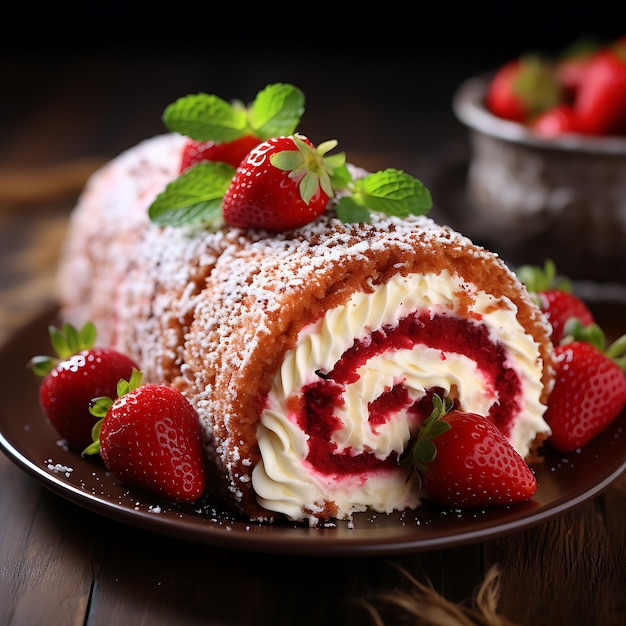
x: 546, y: 174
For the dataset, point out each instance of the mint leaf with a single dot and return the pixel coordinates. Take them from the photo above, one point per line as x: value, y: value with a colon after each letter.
x: 195, y: 197
x: 341, y: 178
x: 389, y: 191
x: 393, y: 192
x: 350, y: 212
x: 205, y: 117
x: 276, y: 111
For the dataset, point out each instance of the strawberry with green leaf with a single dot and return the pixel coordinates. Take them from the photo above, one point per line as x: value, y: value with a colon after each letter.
x: 463, y: 460
x: 590, y: 386
x: 284, y: 183
x: 149, y: 437
x: 70, y: 380
x: 225, y: 132
x: 554, y: 295
x: 523, y: 88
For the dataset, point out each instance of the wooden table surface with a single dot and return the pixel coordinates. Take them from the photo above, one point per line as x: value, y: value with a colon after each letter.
x: 62, y: 564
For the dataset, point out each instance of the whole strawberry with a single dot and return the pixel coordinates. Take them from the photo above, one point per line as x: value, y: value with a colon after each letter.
x: 471, y: 463
x: 149, y: 437
x: 560, y: 306
x: 555, y: 298
x: 600, y: 103
x: 523, y: 88
x: 555, y: 121
x: 77, y: 374
x: 589, y: 389
x: 283, y: 183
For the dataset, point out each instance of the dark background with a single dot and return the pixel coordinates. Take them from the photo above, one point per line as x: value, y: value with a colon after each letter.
x: 379, y: 79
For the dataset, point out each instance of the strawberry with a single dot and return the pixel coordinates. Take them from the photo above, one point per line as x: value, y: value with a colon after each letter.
x: 590, y: 387
x: 571, y: 65
x: 600, y: 104
x: 149, y: 437
x: 559, y: 306
x: 555, y: 121
x: 231, y: 152
x: 77, y: 374
x: 555, y: 298
x: 472, y: 464
x: 522, y: 88
x: 283, y: 183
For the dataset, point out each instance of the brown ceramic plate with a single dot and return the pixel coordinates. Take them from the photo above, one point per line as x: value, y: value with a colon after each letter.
x: 29, y: 441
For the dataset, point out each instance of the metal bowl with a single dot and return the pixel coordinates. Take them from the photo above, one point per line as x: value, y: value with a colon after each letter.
x: 562, y: 198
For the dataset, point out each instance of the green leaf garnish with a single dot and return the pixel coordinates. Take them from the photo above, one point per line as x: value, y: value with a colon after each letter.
x: 538, y: 279
x: 276, y: 110
x: 422, y: 451
x: 390, y: 191
x: 99, y: 407
x: 393, y: 192
x: 311, y: 165
x: 350, y: 212
x: 66, y: 342
x: 195, y: 197
x: 204, y: 117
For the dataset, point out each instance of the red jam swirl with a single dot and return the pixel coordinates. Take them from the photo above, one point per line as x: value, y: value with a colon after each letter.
x: 316, y: 416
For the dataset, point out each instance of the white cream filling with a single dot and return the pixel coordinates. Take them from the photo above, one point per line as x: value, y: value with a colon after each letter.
x: 285, y: 482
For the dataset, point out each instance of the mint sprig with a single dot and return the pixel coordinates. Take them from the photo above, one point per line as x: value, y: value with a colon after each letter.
x: 390, y: 191
x: 195, y: 197
x: 276, y: 110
